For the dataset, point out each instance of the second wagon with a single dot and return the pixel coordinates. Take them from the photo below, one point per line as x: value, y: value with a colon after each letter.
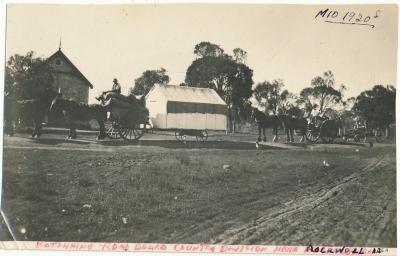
x: 188, y: 111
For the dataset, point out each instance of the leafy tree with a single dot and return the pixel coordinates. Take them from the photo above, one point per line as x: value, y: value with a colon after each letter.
x: 321, y: 95
x: 28, y: 77
x: 207, y: 49
x: 349, y: 104
x: 230, y: 79
x: 148, y: 79
x: 272, y: 97
x: 332, y: 114
x: 239, y: 55
x: 295, y: 111
x: 377, y: 106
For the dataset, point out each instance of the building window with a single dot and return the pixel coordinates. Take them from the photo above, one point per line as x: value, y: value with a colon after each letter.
x: 58, y: 62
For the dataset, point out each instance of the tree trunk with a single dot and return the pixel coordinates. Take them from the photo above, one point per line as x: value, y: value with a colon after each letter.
x: 230, y: 118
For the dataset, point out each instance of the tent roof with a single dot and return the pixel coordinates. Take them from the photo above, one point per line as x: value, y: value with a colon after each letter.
x: 188, y: 94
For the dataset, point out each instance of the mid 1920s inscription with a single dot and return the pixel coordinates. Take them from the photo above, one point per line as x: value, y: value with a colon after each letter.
x: 348, y: 17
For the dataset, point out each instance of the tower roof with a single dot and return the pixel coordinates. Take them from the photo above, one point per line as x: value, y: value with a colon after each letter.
x: 59, y: 54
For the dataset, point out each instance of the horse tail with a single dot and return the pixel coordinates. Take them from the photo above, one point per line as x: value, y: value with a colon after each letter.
x: 282, y: 124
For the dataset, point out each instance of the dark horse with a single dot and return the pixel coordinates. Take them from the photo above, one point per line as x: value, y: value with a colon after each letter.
x: 292, y: 124
x: 264, y: 121
x: 73, y: 112
x: 31, y: 111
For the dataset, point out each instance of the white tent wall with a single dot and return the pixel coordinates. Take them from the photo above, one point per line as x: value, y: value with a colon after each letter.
x: 220, y: 122
x: 156, y: 103
x: 159, y: 96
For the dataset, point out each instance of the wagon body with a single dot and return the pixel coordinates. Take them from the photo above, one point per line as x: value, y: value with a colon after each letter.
x: 186, y: 108
x: 326, y: 130
x: 126, y: 119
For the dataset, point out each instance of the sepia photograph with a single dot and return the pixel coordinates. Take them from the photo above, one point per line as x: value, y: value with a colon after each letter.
x: 200, y: 125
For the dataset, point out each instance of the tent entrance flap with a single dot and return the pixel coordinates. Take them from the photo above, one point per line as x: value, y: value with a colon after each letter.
x: 195, y: 107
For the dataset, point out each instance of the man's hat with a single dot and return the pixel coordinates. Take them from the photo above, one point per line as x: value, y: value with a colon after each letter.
x: 115, y: 80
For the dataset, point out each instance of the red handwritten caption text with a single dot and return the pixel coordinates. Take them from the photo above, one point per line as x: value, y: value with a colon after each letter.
x: 344, y: 250
x: 207, y: 248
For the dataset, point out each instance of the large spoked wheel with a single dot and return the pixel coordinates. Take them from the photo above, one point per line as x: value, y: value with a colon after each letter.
x: 112, y: 130
x: 312, y: 134
x: 360, y: 137
x: 329, y: 131
x: 202, y: 136
x: 179, y: 136
x: 131, y: 133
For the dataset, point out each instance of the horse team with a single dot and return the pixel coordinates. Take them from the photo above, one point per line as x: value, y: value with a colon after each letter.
x: 289, y: 123
x: 33, y: 112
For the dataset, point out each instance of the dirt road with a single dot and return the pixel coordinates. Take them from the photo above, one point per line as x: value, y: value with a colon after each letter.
x: 163, y: 191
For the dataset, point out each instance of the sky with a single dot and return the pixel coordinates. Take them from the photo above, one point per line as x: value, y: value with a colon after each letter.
x: 282, y: 41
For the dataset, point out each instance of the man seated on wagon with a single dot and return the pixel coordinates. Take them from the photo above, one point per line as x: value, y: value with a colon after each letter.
x: 116, y: 88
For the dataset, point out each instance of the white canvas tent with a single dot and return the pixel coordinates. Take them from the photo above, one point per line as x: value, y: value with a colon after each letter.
x: 183, y: 107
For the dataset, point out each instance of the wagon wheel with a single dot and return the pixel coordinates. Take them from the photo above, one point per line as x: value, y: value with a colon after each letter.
x: 112, y: 130
x: 312, y: 134
x: 329, y: 131
x: 202, y: 136
x: 359, y: 137
x: 179, y: 135
x: 131, y: 133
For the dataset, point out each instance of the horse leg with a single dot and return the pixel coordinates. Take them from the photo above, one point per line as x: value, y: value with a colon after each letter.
x: 37, y: 128
x: 12, y: 124
x: 287, y: 134
x: 291, y: 135
x: 259, y: 133
x: 9, y: 129
x: 71, y: 131
x: 33, y: 134
x: 34, y: 130
x: 276, y: 134
x: 74, y: 135
x: 303, y: 135
x: 265, y: 137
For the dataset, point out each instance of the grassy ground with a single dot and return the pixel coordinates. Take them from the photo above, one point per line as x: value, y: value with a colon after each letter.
x: 178, y: 195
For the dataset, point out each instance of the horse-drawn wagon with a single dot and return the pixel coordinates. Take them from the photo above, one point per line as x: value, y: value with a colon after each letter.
x: 360, y: 134
x: 127, y: 117
x: 186, y: 111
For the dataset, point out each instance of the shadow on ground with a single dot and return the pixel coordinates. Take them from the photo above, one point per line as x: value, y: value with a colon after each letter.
x: 54, y: 141
x: 171, y: 143
x: 189, y: 144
